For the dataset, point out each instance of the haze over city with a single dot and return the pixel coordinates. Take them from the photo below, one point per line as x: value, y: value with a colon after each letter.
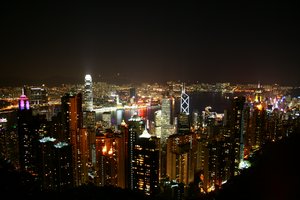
x: 57, y: 42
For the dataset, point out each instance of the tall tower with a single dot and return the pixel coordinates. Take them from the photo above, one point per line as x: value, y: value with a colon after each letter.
x: 110, y: 159
x: 183, y: 126
x: 88, y: 93
x: 28, y: 127
x: 89, y: 119
x: 166, y: 118
x: 135, y: 124
x: 76, y: 135
x: 25, y: 136
x: 184, y: 101
x: 146, y: 164
x: 238, y: 131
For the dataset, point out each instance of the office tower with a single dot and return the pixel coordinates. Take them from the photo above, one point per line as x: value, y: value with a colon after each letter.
x: 124, y: 130
x: 157, y: 123
x: 259, y: 125
x: 46, y: 163
x: 181, y: 157
x: 237, y: 126
x: 62, y: 162
x: 166, y: 129
x: 75, y: 135
x: 27, y: 135
x: 184, y: 102
x: 135, y: 124
x: 166, y: 119
x: 110, y: 166
x: 183, y: 121
x: 88, y: 93
x: 213, y: 160
x: 89, y: 120
x: 146, y: 164
x: 183, y: 124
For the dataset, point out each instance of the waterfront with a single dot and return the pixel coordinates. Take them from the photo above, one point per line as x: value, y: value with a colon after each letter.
x: 198, y: 101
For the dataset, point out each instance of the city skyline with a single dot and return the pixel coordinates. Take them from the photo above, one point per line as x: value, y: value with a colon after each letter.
x: 68, y: 140
x: 58, y: 43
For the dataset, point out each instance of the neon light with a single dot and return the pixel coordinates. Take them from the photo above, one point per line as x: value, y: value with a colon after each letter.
x: 27, y: 105
x: 22, y: 104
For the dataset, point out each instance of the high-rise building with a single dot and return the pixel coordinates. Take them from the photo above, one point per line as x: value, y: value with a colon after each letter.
x: 184, y: 101
x: 28, y: 136
x: 88, y: 93
x: 183, y: 124
x: 46, y: 165
x: 166, y: 119
x: 213, y: 161
x: 75, y: 135
x: 135, y: 124
x: 110, y: 167
x: 89, y: 122
x: 146, y: 164
x: 183, y: 120
x: 259, y: 125
x: 181, y: 157
x: 62, y: 159
x: 237, y: 127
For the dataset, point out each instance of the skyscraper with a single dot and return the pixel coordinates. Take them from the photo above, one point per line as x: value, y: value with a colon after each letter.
x: 88, y: 93
x: 146, y: 164
x: 237, y: 124
x: 166, y: 119
x: 26, y: 135
x: 184, y: 102
x: 183, y: 121
x: 89, y: 119
x: 76, y: 135
x: 110, y: 153
x: 135, y: 124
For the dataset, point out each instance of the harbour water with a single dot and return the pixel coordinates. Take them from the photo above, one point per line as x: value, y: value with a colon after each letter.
x: 198, y: 101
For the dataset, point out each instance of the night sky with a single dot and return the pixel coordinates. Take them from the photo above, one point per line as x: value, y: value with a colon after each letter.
x: 56, y: 42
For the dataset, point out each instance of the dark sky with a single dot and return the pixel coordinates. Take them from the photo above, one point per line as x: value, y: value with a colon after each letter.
x: 56, y: 42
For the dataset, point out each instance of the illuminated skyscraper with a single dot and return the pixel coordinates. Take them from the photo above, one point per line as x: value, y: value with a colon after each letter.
x: 47, y: 168
x: 88, y: 93
x: 237, y: 125
x: 184, y: 102
x: 27, y: 136
x: 62, y: 160
x: 30, y: 128
x: 166, y: 119
x: 135, y: 124
x: 76, y: 135
x: 110, y: 167
x: 181, y: 157
x: 23, y: 102
x: 89, y: 119
x: 146, y: 164
x: 183, y: 121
